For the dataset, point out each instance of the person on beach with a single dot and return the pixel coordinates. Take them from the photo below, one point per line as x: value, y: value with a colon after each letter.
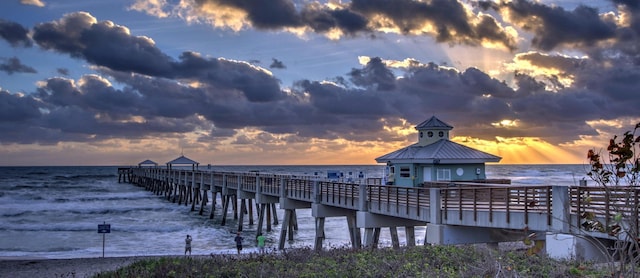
x: 238, y: 239
x: 187, y: 245
x: 261, y: 239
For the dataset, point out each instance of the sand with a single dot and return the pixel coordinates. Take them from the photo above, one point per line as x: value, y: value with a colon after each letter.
x: 21, y: 267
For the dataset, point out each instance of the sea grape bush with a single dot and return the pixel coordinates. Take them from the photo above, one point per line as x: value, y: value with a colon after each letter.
x: 621, y: 169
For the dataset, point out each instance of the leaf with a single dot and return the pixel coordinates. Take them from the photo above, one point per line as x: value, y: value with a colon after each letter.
x: 618, y: 217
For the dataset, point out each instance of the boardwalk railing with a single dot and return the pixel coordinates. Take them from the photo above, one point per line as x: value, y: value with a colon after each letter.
x: 505, y: 200
x: 602, y: 208
x: 541, y: 208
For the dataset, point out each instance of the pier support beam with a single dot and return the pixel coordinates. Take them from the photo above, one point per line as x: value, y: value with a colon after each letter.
x: 290, y: 223
x: 319, y: 234
x: 286, y: 227
x: 323, y: 211
x: 214, y: 197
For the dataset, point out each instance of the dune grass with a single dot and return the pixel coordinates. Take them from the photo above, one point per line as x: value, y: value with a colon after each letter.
x: 421, y: 261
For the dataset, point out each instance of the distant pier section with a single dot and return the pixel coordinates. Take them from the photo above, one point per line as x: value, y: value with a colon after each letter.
x: 124, y: 174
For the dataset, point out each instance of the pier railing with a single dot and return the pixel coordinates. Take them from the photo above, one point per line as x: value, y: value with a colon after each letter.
x: 602, y: 209
x: 508, y: 200
x: 490, y: 205
x: 397, y: 199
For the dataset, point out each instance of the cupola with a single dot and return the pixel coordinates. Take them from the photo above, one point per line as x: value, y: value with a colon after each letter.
x: 432, y: 130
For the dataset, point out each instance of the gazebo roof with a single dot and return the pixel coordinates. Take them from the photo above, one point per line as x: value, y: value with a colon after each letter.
x: 442, y: 151
x: 147, y: 162
x: 433, y: 123
x: 182, y: 160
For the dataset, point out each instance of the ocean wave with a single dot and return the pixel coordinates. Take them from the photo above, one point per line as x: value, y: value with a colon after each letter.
x: 101, y: 198
x: 61, y: 249
x: 87, y: 176
x: 115, y: 228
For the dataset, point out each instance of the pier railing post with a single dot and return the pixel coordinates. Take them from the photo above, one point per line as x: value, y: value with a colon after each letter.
x: 363, y: 204
x: 283, y: 188
x: 315, y: 188
x: 560, y: 210
x: 435, y: 206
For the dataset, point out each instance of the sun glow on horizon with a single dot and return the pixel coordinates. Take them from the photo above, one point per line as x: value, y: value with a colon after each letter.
x: 524, y: 150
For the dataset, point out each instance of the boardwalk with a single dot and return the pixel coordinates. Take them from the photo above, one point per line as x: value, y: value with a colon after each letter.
x: 452, y: 212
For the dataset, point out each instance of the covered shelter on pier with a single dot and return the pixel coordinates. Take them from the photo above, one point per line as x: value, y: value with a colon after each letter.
x: 183, y: 161
x: 147, y: 163
x: 435, y: 158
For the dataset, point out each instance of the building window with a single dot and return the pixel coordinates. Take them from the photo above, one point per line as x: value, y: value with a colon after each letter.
x: 405, y: 172
x: 421, y: 134
x: 430, y: 133
x: 441, y: 133
x: 443, y: 174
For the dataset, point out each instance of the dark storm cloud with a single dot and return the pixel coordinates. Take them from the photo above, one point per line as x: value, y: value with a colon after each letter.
x: 14, y: 33
x: 13, y: 65
x: 108, y: 45
x: 375, y: 75
x: 451, y: 22
x: 17, y: 109
x: 101, y: 43
x: 554, y: 26
x: 565, y: 64
x: 449, y: 18
x: 322, y: 20
x: 273, y: 14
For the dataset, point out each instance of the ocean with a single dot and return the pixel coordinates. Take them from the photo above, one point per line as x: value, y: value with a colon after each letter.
x: 54, y: 212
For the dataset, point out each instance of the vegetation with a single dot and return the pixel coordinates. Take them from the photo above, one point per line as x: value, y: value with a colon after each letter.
x: 621, y: 167
x: 421, y: 261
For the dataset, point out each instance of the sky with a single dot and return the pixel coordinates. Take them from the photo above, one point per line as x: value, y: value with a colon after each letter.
x: 285, y: 82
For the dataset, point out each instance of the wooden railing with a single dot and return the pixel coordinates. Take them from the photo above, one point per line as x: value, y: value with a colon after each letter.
x: 603, y: 205
x: 606, y: 205
x: 299, y: 189
x: 386, y: 198
x: 492, y: 199
x: 339, y: 194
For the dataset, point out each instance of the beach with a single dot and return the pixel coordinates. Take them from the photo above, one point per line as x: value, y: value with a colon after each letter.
x: 23, y: 267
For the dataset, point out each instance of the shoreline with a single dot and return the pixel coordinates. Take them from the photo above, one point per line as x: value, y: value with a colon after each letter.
x: 29, y: 267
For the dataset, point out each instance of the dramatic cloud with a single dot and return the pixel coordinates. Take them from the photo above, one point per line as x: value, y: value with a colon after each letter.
x: 448, y: 20
x: 14, y: 33
x: 584, y: 71
x: 554, y: 26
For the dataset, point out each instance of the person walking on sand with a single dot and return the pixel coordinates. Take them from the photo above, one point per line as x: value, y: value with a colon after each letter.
x: 261, y: 239
x: 238, y: 239
x: 187, y: 245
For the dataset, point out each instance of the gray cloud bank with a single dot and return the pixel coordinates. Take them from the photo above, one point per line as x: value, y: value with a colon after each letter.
x: 158, y: 95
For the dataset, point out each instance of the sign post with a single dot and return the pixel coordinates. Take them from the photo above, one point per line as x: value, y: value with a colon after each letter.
x: 103, y: 229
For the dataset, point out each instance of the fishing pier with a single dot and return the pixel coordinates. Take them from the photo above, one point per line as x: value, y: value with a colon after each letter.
x: 453, y: 212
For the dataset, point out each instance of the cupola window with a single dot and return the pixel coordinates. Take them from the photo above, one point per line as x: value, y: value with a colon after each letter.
x: 430, y: 133
x: 441, y: 133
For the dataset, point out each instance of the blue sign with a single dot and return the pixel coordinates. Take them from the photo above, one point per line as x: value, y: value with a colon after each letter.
x: 104, y: 228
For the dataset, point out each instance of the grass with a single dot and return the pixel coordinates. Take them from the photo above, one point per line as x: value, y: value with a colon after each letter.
x: 421, y: 261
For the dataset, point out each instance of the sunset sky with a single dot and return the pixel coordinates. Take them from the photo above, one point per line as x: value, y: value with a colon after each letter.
x: 277, y: 82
